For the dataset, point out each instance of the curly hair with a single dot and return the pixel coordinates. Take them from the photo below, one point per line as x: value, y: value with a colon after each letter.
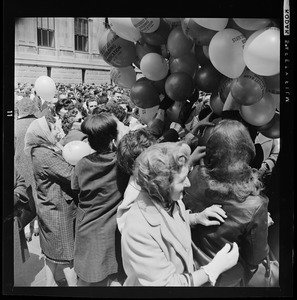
x: 68, y: 119
x: 226, y: 165
x: 101, y: 129
x: 156, y: 167
x: 130, y: 146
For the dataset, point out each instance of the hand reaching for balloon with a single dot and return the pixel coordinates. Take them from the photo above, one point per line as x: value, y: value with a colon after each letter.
x: 213, y: 215
x: 201, y: 124
x: 196, y: 155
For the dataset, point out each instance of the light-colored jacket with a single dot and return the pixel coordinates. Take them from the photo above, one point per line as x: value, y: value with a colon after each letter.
x: 156, y: 248
x: 131, y: 193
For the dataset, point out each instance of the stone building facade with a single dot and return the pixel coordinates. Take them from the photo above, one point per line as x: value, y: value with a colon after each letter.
x: 66, y: 49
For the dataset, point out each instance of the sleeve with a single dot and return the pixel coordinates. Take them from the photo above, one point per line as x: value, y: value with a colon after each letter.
x: 147, y: 261
x: 74, y: 181
x: 57, y: 168
x: 255, y: 247
x: 271, y: 160
x: 19, y: 184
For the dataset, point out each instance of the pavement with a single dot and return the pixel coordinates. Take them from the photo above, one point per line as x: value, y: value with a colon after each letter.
x: 33, y: 273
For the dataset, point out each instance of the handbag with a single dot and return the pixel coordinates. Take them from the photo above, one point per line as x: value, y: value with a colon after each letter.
x: 267, y: 273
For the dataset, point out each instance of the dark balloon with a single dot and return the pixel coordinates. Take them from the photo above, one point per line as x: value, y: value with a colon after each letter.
x: 178, y: 44
x: 144, y: 95
x: 187, y: 64
x: 158, y: 37
x: 272, y: 129
x: 200, y: 55
x: 179, y: 86
x: 208, y: 78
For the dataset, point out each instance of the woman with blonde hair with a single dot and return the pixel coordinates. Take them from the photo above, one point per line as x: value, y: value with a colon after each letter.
x: 156, y: 238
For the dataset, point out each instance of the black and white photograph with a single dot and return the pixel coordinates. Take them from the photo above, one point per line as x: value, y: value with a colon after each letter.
x: 148, y: 150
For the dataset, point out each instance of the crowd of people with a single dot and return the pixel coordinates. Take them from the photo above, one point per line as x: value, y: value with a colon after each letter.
x: 153, y: 204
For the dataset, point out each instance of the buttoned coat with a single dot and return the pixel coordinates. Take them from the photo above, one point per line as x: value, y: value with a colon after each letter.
x: 156, y: 247
x: 55, y: 206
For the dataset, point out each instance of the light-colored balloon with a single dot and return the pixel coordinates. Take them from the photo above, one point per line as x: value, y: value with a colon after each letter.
x: 216, y: 24
x: 226, y: 52
x: 154, y: 66
x: 125, y: 29
x: 261, y: 51
x: 148, y: 114
x: 45, y: 87
x: 147, y: 25
x: 75, y: 151
x: 123, y: 77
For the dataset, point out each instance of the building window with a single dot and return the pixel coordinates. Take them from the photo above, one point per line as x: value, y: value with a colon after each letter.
x: 81, y: 34
x: 46, y: 32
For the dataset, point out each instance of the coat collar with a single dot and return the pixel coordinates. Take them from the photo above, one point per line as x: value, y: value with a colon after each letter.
x: 178, y: 236
x: 152, y: 211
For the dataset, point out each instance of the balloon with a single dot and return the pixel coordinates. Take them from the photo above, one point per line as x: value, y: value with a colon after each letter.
x: 226, y: 52
x: 179, y: 86
x: 142, y: 49
x: 178, y: 44
x: 125, y: 29
x: 154, y: 66
x: 75, y: 151
x: 208, y: 78
x: 172, y: 113
x: 158, y: 37
x: 259, y: 113
x: 273, y: 87
x: 148, y: 114
x: 123, y: 77
x: 224, y: 88
x: 216, y: 24
x: 272, y: 129
x: 216, y: 104
x: 173, y: 22
x: 248, y: 89
x: 200, y: 55
x: 143, y: 94
x: 252, y: 24
x: 187, y: 64
x: 261, y: 52
x: 200, y: 35
x: 115, y: 50
x: 233, y: 25
x: 45, y: 87
x: 146, y: 24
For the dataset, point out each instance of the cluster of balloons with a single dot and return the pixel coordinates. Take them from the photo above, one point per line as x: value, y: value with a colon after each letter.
x: 238, y: 58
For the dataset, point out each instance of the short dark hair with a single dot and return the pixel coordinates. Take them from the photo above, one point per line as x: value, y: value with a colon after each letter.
x: 131, y: 145
x: 66, y: 103
x: 101, y: 129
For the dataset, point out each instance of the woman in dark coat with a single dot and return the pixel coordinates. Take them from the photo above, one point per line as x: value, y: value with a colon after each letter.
x: 225, y: 177
x: 97, y: 181
x: 56, y: 208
